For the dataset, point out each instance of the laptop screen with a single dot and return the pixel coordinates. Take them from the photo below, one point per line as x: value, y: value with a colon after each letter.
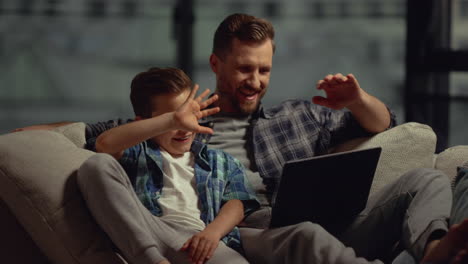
x: 329, y: 190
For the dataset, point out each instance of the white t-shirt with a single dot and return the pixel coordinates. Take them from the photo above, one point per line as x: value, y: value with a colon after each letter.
x: 179, y: 200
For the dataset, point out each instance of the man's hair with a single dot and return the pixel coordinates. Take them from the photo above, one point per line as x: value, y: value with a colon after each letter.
x: 245, y: 28
x: 153, y: 82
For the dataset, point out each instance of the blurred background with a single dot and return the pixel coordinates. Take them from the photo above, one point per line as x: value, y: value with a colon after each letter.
x: 73, y: 60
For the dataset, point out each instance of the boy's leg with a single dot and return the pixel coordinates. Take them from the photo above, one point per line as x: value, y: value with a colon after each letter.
x: 142, y: 237
x: 409, y: 211
x: 115, y: 206
x: 301, y: 243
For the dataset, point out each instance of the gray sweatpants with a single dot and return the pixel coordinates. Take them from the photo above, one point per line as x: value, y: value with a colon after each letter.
x: 407, y: 211
x: 142, y: 237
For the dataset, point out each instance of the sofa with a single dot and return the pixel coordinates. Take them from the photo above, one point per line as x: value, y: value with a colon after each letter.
x: 43, y: 218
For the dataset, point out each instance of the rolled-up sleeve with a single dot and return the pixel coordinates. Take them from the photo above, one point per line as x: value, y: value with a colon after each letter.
x: 342, y: 125
x: 238, y: 187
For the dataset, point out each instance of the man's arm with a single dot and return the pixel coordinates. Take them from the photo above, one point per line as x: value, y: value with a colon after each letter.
x: 344, y: 91
x: 42, y: 126
x: 202, y: 245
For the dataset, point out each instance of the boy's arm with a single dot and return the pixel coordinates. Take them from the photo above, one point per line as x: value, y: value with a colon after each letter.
x: 114, y: 141
x: 238, y: 199
x: 203, y: 244
x: 117, y: 139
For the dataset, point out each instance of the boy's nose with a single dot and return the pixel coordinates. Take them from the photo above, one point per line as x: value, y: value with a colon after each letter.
x: 183, y: 133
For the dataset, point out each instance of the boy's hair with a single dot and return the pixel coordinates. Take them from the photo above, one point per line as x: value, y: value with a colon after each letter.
x: 243, y: 27
x: 156, y: 81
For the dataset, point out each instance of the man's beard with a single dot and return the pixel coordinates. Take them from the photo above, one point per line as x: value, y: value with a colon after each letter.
x: 244, y: 108
x: 247, y: 108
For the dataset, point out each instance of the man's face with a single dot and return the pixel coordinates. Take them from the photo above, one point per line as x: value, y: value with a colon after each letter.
x: 242, y: 76
x: 175, y: 142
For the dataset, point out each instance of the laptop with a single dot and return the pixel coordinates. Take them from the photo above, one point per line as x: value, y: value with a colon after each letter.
x: 329, y: 190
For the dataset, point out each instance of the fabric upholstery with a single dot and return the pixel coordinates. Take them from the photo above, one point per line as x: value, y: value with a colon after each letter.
x: 404, y: 147
x: 448, y: 160
x: 38, y: 184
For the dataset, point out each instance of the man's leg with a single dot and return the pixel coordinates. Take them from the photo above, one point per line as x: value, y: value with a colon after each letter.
x: 115, y: 206
x: 302, y: 243
x: 404, y: 258
x: 222, y: 255
x: 226, y: 255
x: 460, y: 196
x: 453, y: 247
x: 408, y: 211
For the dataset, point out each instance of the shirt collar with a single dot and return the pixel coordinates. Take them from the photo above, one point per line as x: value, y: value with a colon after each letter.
x: 200, y: 151
x: 260, y: 113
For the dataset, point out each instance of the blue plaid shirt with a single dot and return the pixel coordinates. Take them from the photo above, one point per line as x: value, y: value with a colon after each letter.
x: 219, y: 178
x: 295, y: 129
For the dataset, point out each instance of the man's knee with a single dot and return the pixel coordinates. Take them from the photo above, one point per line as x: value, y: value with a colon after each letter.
x: 423, y: 177
x: 306, y: 232
x: 226, y: 255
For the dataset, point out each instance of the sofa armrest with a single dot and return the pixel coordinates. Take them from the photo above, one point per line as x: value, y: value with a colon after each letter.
x: 38, y: 184
x: 404, y: 147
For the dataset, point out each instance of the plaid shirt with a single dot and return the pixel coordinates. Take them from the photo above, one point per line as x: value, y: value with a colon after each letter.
x: 295, y: 129
x: 219, y: 178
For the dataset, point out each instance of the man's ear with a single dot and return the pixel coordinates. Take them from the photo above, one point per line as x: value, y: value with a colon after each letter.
x: 214, y: 60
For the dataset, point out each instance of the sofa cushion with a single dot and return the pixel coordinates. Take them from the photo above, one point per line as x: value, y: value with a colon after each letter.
x: 38, y: 184
x: 75, y: 132
x: 404, y: 147
x: 449, y: 159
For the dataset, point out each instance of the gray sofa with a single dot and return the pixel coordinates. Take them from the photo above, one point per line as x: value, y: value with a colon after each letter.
x: 43, y: 218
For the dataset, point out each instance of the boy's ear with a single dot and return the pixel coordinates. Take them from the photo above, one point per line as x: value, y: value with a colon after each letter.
x: 214, y: 62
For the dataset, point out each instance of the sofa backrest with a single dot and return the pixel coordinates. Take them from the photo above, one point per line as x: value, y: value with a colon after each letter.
x: 404, y: 147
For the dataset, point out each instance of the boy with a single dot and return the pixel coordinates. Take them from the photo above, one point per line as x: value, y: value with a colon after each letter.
x: 179, y: 196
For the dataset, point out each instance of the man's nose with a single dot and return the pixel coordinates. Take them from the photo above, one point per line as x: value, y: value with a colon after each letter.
x: 254, y: 80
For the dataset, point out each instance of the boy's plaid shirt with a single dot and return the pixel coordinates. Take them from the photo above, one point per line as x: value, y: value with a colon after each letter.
x: 219, y: 178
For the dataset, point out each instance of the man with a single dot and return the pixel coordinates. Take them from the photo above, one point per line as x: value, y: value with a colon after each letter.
x: 411, y: 211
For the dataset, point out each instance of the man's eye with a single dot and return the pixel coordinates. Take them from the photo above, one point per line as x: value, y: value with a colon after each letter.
x: 245, y: 69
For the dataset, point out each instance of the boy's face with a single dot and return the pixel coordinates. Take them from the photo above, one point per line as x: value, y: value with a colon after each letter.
x: 175, y: 142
